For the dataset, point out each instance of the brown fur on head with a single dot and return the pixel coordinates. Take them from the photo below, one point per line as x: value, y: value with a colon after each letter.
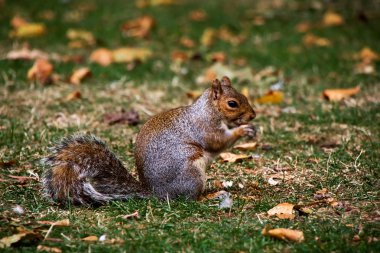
x: 233, y: 106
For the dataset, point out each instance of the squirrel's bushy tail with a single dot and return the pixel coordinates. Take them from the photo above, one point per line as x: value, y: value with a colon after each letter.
x: 82, y: 170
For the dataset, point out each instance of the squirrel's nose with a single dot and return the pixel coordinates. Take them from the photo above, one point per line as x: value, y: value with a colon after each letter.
x: 252, y: 115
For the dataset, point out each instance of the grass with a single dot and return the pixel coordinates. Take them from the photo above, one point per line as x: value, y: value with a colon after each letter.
x: 322, y: 144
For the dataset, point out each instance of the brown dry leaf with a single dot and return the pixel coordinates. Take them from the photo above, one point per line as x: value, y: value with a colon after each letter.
x: 48, y: 249
x: 79, y: 75
x: 26, y: 54
x: 130, y: 54
x: 139, y: 28
x: 25, y: 236
x: 84, y: 37
x: 303, y: 27
x: 23, y: 179
x: 340, y: 94
x: 364, y: 67
x: 102, y: 56
x: 28, y: 30
x: 231, y: 157
x: 225, y: 34
x: 132, y: 215
x: 179, y: 56
x: 198, y: 15
x: 146, y: 3
x: 130, y: 117
x: 313, y: 40
x: 332, y: 19
x: 218, y: 57
x: 272, y: 97
x: 60, y: 223
x: 246, y: 146
x: 285, y: 234
x: 368, y: 55
x: 73, y: 96
x: 282, y: 211
x: 91, y: 238
x: 18, y: 21
x: 208, y: 37
x: 186, y: 42
x: 41, y: 71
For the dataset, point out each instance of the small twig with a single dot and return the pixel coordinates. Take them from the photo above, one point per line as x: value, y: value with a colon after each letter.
x: 258, y: 217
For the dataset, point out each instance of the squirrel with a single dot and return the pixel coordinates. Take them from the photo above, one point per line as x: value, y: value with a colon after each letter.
x: 172, y: 152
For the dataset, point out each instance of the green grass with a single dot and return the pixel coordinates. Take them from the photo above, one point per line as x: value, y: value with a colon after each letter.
x: 32, y: 117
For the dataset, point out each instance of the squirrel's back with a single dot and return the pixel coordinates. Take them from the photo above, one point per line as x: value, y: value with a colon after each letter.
x: 82, y: 170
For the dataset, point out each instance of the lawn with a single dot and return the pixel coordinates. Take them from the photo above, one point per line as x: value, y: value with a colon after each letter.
x: 318, y: 154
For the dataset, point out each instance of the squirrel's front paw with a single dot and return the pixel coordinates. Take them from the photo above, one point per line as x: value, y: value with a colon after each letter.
x: 246, y: 130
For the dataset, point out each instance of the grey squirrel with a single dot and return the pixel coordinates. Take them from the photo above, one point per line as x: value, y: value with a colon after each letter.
x: 172, y: 152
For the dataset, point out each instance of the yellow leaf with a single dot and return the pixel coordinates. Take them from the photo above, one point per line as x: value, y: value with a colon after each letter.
x: 81, y: 35
x: 230, y: 157
x: 208, y: 37
x: 139, y: 28
x: 282, y: 211
x: 313, y: 40
x: 273, y: 97
x: 28, y: 30
x: 340, y: 94
x: 79, y: 75
x: 48, y: 249
x: 129, y: 54
x: 102, y: 56
x: 246, y: 146
x: 332, y: 19
x: 61, y: 223
x: 285, y: 234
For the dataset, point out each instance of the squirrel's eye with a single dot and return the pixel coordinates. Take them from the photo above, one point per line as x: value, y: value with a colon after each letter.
x: 232, y: 104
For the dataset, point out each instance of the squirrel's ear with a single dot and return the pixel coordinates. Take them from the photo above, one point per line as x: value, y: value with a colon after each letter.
x: 226, y: 81
x: 216, y: 89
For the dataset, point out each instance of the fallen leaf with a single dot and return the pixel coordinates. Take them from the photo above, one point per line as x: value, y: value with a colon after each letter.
x: 102, y: 56
x: 332, y: 19
x: 23, y: 179
x: 82, y: 36
x: 146, y: 3
x: 303, y: 27
x: 246, y: 146
x: 218, y: 57
x: 79, y: 75
x: 340, y: 94
x: 130, y: 117
x: 224, y: 197
x: 73, y: 96
x: 198, y: 15
x: 26, y: 54
x: 41, y: 71
x: 91, y: 238
x: 28, y: 30
x: 18, y: 21
x: 313, y: 40
x: 282, y: 211
x: 48, y: 249
x: 230, y: 157
x: 139, y: 28
x: 368, y: 55
x: 132, y: 215
x: 226, y: 35
x: 364, y: 67
x: 186, y: 42
x: 272, y: 97
x: 8, y: 163
x: 27, y: 237
x: 208, y: 37
x: 285, y: 234
x: 179, y: 56
x: 59, y: 223
x: 130, y: 54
